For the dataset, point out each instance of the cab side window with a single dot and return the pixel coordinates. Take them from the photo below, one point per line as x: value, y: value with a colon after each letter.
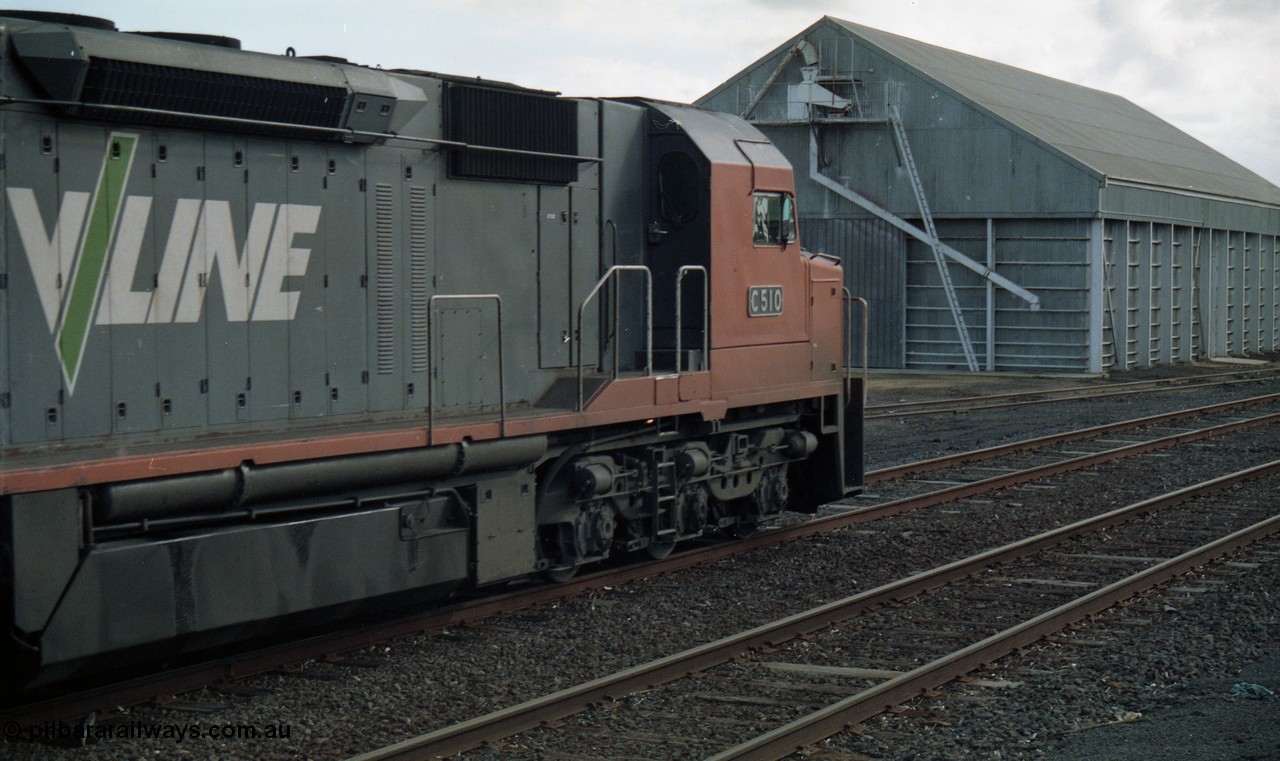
x: 773, y: 219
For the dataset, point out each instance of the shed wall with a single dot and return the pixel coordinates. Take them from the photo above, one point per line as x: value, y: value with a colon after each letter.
x: 1175, y: 293
x: 1047, y: 256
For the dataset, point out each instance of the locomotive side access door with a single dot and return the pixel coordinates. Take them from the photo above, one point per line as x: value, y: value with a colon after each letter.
x: 554, y: 331
x: 678, y: 214
x: 568, y: 261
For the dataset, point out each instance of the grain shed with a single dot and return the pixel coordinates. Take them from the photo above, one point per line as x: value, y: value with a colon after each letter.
x: 999, y: 219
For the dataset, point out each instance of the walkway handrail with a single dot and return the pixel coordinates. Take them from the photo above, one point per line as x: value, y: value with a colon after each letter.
x: 706, y: 315
x: 648, y: 321
x: 502, y: 384
x: 848, y: 337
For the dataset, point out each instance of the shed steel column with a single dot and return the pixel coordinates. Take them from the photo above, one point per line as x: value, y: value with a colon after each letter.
x: 1264, y: 296
x: 1164, y: 315
x: 1097, y: 283
x: 1184, y: 293
x: 1110, y: 295
x: 1145, y: 293
x: 1246, y: 293
x: 1212, y: 312
x: 1260, y: 298
x: 1131, y: 287
x: 1275, y: 292
x: 1235, y: 287
x: 991, y: 297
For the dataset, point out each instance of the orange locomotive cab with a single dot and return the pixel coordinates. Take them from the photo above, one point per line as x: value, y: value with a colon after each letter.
x: 724, y: 197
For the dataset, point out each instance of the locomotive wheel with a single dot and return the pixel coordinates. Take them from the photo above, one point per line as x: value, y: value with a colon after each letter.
x: 659, y: 549
x: 561, y: 574
x: 743, y: 528
x: 560, y: 546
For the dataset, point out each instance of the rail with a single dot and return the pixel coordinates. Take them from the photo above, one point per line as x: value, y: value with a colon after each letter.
x: 1079, y: 434
x: 648, y: 321
x: 964, y: 405
x: 706, y: 316
x: 502, y: 379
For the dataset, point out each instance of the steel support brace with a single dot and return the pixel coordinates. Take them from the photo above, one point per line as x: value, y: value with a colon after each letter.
x: 939, y: 258
x: 802, y: 47
x: 991, y: 297
x: 982, y: 271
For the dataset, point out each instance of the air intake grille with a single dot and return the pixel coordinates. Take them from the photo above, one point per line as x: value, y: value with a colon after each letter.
x: 384, y: 217
x: 208, y: 93
x: 523, y: 121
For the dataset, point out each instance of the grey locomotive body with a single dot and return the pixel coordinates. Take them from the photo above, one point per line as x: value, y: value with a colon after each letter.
x: 285, y: 339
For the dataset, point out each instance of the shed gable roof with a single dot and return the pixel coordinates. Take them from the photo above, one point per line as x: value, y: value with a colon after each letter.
x: 1103, y: 132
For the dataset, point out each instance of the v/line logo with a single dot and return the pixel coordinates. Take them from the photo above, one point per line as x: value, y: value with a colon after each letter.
x: 84, y: 271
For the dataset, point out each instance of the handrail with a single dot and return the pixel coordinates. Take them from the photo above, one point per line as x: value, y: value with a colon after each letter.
x: 502, y: 383
x: 648, y: 302
x: 344, y: 132
x: 706, y: 314
x: 848, y: 334
x: 615, y: 297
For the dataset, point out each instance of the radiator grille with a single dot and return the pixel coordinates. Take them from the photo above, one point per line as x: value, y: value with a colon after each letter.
x: 505, y: 119
x: 111, y: 82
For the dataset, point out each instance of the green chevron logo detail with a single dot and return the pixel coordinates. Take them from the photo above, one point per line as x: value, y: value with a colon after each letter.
x: 85, y: 258
x: 91, y: 261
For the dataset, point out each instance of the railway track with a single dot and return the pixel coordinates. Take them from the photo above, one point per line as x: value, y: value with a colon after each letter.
x: 234, y: 668
x: 1009, y: 400
x: 944, y: 623
x: 1185, y: 542
x: 1041, y: 442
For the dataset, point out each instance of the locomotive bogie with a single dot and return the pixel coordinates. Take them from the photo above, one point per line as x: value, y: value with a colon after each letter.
x: 667, y: 487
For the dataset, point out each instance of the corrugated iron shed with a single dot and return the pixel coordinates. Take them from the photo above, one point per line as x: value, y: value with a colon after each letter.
x: 1093, y: 234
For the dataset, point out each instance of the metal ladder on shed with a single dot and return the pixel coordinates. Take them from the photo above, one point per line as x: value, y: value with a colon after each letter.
x: 900, y: 135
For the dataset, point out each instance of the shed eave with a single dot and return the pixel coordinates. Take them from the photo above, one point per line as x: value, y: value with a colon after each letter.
x: 1122, y: 182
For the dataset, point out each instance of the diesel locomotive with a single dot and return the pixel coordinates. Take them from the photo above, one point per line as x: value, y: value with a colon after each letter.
x: 284, y: 340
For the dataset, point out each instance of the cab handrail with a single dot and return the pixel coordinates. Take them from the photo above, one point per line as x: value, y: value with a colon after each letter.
x: 648, y: 321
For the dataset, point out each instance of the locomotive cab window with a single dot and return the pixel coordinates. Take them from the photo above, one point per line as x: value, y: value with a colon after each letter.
x: 774, y: 222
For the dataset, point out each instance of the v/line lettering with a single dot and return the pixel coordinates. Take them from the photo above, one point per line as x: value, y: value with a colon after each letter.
x: 84, y: 270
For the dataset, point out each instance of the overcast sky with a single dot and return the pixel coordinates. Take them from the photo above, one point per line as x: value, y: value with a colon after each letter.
x: 1210, y: 67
